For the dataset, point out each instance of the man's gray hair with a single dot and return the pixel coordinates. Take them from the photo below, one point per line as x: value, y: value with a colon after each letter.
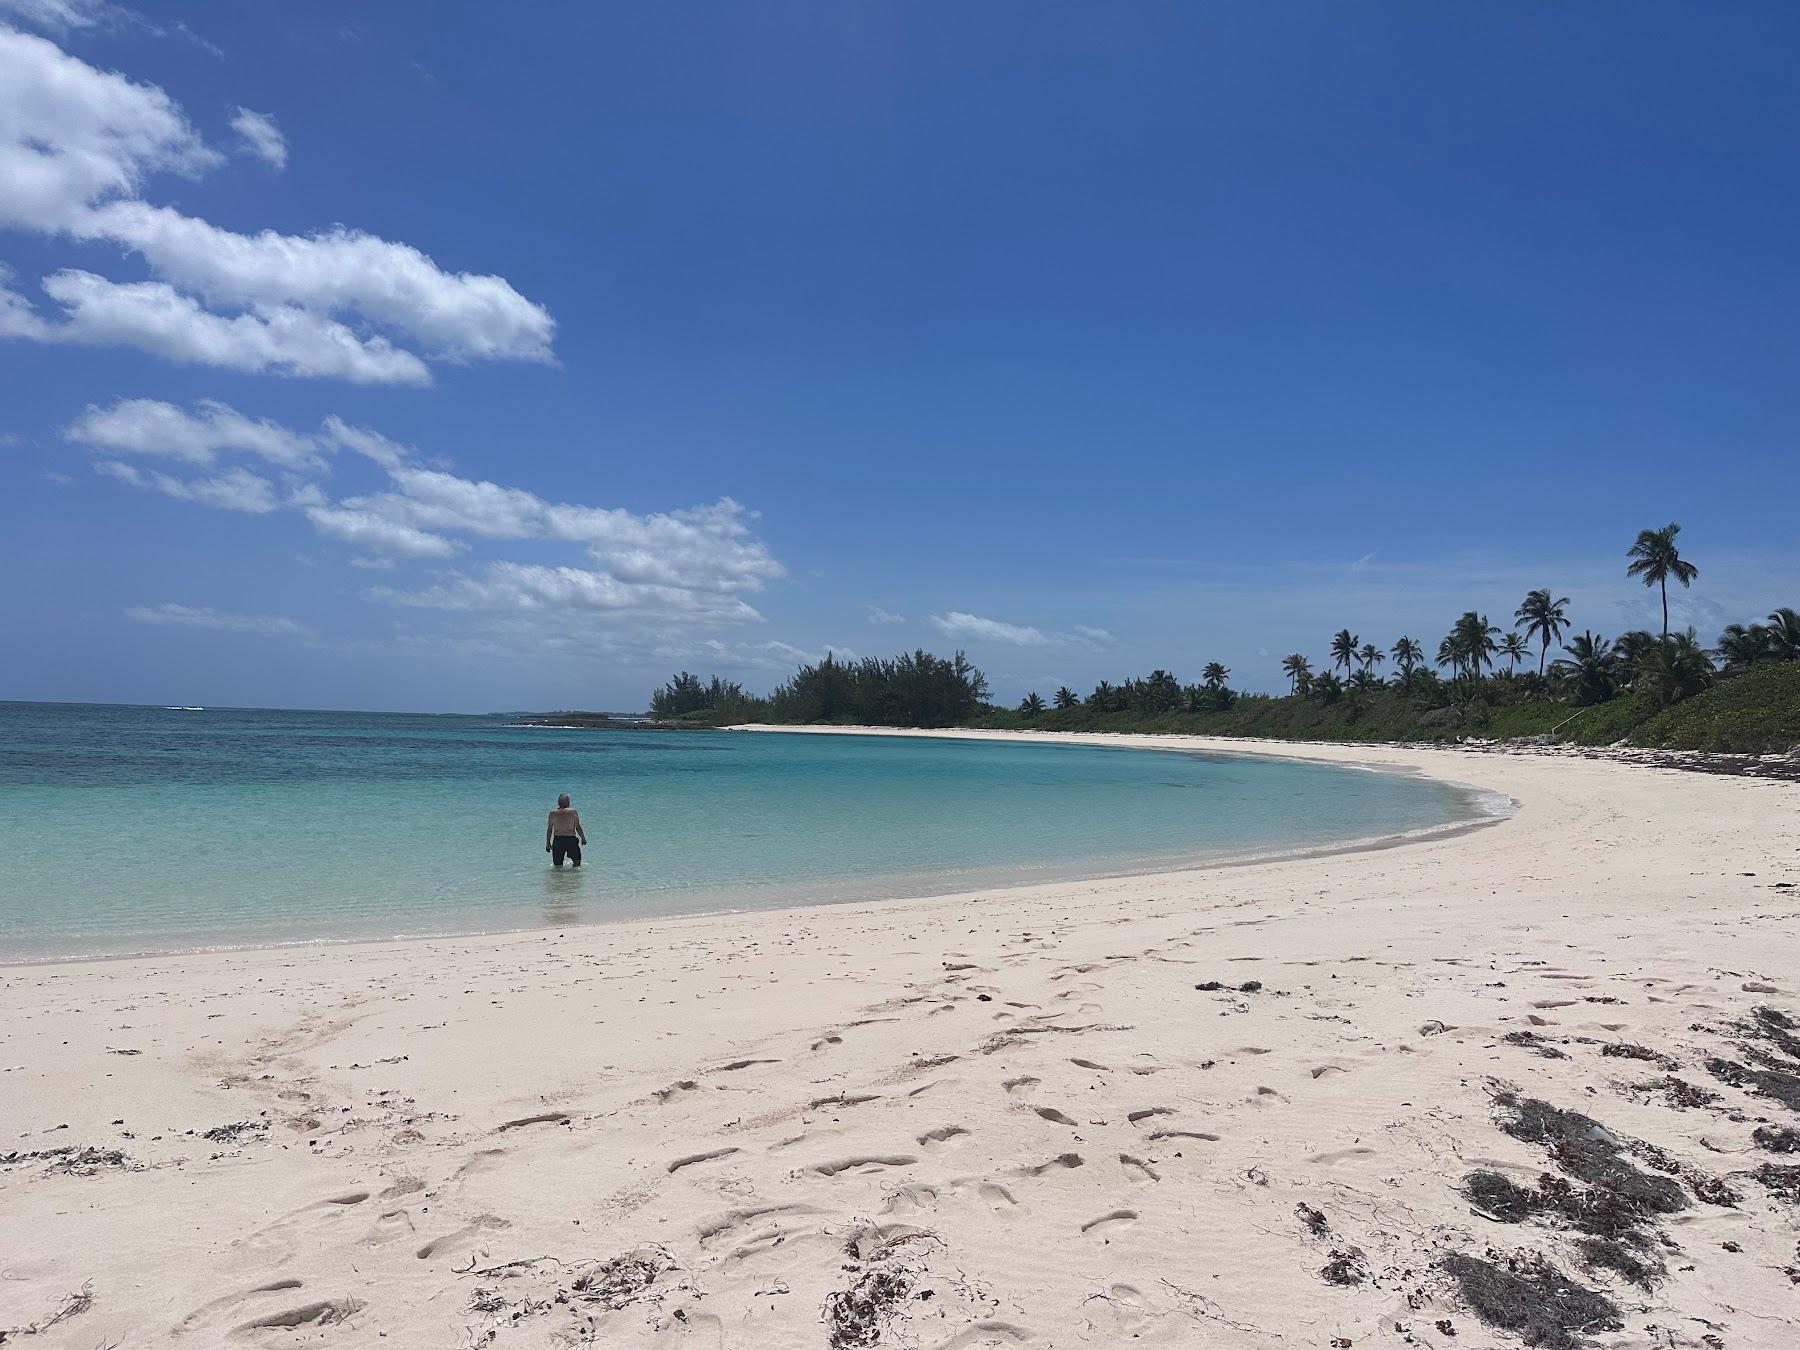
x: 563, y: 800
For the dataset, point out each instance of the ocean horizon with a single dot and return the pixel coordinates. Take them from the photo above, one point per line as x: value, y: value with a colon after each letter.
x: 135, y: 829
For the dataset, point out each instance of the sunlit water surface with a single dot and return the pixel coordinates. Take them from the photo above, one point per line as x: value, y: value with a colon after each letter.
x: 130, y: 829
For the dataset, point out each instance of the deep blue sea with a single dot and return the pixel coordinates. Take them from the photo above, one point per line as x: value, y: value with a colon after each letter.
x: 136, y: 829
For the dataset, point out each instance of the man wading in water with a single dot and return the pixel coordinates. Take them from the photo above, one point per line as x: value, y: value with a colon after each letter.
x: 563, y: 836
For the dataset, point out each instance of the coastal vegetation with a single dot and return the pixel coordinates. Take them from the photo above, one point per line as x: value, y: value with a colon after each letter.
x: 1667, y: 690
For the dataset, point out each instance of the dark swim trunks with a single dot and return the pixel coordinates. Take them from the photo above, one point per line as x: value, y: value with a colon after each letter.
x: 565, y: 846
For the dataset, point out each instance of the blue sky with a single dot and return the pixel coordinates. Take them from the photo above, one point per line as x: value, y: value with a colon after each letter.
x: 402, y: 357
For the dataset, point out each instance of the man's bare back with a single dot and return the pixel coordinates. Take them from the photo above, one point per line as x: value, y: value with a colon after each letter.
x: 563, y: 835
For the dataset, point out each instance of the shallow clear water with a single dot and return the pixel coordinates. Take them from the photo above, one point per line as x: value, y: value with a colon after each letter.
x: 128, y: 829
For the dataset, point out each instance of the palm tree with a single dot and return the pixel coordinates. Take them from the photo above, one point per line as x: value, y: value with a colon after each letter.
x: 1655, y: 558
x: 1065, y: 699
x: 1343, y: 649
x: 1450, y: 652
x: 1031, y: 705
x: 1784, y: 634
x: 1632, y: 652
x: 1676, y: 667
x: 1589, y: 668
x: 1471, y: 641
x: 1298, y: 670
x: 1327, y: 687
x: 1105, y: 698
x: 1215, y: 675
x: 1544, y: 619
x: 1513, y: 648
x: 1408, y: 655
x: 1370, y: 655
x: 1741, y: 647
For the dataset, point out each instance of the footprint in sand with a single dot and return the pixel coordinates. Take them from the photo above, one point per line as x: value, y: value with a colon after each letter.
x: 939, y: 1137
x: 452, y: 1242
x: 278, y: 1232
x: 207, y: 1310
x: 542, y: 1118
x: 320, y: 1314
x: 1337, y: 1156
x: 1089, y: 1064
x: 675, y: 1091
x: 867, y: 1163
x: 737, y: 1064
x: 842, y: 1099
x: 1110, y: 1223
x: 986, y: 1336
x: 1020, y: 1086
x: 1061, y: 1160
x: 694, y: 1158
x: 1055, y: 1117
x: 996, y: 1195
x: 1137, y: 1169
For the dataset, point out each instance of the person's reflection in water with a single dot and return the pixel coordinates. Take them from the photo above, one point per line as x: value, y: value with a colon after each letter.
x: 562, y: 892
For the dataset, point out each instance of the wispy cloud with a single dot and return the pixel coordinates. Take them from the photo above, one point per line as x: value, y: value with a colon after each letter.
x: 878, y: 615
x: 259, y: 136
x: 963, y: 627
x: 219, y: 621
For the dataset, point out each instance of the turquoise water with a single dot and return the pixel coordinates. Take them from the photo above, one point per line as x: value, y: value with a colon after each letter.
x: 128, y: 829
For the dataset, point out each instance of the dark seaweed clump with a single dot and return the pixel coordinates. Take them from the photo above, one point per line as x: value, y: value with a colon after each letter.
x: 1527, y: 1295
x: 1586, y: 1150
x: 1530, y: 1040
x: 1626, y: 1050
x: 1769, y: 1041
x: 1783, y: 1180
x: 1776, y: 1138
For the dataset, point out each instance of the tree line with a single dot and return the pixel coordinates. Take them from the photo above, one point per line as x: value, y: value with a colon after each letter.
x: 1476, y: 659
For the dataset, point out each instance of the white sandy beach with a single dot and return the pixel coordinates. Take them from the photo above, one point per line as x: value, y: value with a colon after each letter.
x: 1001, y: 1119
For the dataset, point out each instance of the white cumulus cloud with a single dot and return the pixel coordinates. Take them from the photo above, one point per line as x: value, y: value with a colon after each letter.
x: 258, y: 135
x: 236, y: 489
x: 78, y: 148
x: 157, y: 318
x: 666, y: 570
x: 144, y: 426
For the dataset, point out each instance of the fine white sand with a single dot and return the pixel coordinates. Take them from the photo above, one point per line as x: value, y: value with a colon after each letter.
x: 1003, y: 1119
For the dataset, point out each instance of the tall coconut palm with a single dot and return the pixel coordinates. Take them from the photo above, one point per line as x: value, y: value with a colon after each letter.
x: 1451, y: 653
x: 1589, y: 669
x: 1031, y: 705
x: 1513, y: 648
x: 1544, y: 619
x: 1343, y: 649
x: 1655, y: 559
x: 1408, y: 655
x: 1066, y: 698
x: 1215, y: 675
x: 1298, y: 670
x: 1370, y: 655
x: 1474, y: 641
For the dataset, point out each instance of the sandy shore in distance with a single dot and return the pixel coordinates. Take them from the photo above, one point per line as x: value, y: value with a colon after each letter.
x: 1006, y: 1119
